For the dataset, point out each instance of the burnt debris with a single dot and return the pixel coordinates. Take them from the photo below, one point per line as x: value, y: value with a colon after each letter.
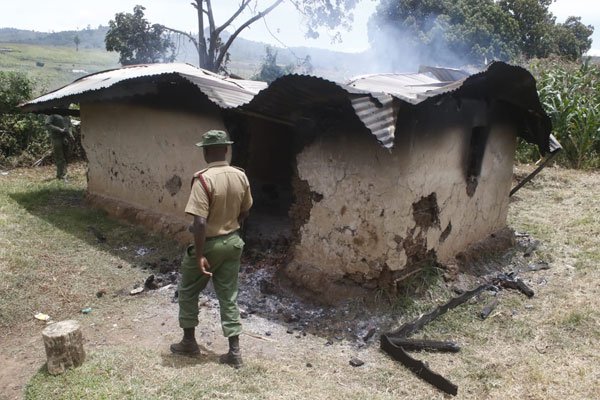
x: 397, y: 343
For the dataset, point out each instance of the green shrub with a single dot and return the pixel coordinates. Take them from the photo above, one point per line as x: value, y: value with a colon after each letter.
x: 22, y: 136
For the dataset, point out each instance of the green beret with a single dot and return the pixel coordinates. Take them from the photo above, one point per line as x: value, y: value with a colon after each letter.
x: 214, y: 138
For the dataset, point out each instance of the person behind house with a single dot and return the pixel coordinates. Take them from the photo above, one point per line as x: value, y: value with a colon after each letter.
x: 59, y: 128
x: 220, y: 200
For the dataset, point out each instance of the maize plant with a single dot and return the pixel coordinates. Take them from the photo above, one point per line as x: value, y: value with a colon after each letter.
x: 571, y: 97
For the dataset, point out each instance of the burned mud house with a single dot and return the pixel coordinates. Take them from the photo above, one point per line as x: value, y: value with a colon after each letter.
x: 365, y: 182
x: 139, y: 125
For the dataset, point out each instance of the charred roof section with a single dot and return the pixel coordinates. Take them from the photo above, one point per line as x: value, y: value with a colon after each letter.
x: 377, y: 98
x: 510, y: 84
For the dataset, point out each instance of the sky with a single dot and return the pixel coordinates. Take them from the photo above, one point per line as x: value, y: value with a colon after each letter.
x: 283, y: 25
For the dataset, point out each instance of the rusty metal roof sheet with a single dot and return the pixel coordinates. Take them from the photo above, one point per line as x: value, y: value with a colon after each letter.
x: 224, y: 92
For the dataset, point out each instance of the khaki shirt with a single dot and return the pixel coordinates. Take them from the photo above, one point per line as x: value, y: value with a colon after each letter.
x: 230, y: 196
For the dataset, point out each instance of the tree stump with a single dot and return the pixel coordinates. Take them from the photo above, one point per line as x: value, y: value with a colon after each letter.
x: 64, y: 346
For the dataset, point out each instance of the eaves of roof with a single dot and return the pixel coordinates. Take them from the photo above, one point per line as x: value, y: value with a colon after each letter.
x: 224, y: 92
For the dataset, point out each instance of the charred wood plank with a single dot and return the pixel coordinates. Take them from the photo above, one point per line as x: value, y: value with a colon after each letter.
x: 418, y: 367
x: 415, y: 326
x: 396, y: 343
x: 516, y: 284
x: 428, y: 345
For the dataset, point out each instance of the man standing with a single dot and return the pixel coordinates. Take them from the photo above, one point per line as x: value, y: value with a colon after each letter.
x: 219, y: 202
x: 59, y: 129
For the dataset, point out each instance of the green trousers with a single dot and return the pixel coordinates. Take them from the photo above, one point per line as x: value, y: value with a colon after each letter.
x: 223, y: 254
x: 58, y: 147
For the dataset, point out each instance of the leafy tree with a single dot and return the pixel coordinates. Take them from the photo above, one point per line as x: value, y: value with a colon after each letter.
x: 138, y: 42
x: 473, y: 31
x: 213, y: 44
x: 77, y: 41
x: 573, y: 38
x: 448, y: 32
x: 535, y: 25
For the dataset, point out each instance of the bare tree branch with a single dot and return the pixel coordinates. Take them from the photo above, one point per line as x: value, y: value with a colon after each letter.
x: 211, y: 19
x: 243, y: 5
x: 202, y: 53
x: 223, y: 50
x: 187, y: 35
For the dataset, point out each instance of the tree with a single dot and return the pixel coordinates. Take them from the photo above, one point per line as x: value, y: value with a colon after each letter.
x: 76, y: 40
x: 472, y: 31
x: 136, y: 41
x: 535, y: 26
x: 213, y: 46
x: 573, y: 38
x: 447, y: 32
x: 269, y: 70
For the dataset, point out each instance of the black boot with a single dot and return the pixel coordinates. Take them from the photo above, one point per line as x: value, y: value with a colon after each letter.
x: 234, y: 356
x: 188, y: 345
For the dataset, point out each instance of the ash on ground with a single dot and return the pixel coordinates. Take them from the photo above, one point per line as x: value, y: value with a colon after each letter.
x: 261, y: 294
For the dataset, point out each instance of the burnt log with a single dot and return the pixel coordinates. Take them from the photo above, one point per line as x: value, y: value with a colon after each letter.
x: 415, y: 326
x: 517, y: 284
x: 418, y: 367
x: 64, y: 346
x: 396, y: 343
x: 427, y: 345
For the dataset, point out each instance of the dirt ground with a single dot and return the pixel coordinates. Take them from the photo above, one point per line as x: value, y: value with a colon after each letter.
x: 540, y: 348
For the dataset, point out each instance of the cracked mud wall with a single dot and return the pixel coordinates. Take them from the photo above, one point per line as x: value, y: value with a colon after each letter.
x: 143, y: 158
x: 366, y: 226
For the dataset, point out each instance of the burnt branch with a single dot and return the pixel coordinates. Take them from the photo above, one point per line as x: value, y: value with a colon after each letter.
x: 396, y: 343
x: 418, y: 367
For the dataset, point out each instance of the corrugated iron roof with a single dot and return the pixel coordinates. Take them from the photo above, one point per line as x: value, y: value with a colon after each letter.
x: 410, y: 88
x: 374, y: 99
x: 224, y: 92
x: 444, y: 74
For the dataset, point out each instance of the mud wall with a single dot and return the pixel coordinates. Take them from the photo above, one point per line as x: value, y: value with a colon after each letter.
x: 143, y: 157
x: 379, y: 213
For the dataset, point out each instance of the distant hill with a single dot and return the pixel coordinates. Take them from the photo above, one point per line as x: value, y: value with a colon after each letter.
x: 56, y: 50
x: 51, y: 66
x: 90, y: 38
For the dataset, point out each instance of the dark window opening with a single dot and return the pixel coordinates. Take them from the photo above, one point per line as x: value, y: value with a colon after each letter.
x: 477, y: 144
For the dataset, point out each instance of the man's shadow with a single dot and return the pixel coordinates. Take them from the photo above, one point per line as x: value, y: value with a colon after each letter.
x: 178, y: 361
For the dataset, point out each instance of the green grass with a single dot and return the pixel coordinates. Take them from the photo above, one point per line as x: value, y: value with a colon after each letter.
x: 543, y: 347
x: 46, y: 246
x: 59, y: 63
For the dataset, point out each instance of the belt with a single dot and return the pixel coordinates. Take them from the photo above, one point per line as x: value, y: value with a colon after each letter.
x: 222, y: 236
